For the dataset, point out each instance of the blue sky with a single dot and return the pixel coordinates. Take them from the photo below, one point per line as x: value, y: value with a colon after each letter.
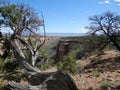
x: 70, y: 16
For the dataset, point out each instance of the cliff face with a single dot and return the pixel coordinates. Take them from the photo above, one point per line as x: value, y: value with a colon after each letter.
x: 64, y: 47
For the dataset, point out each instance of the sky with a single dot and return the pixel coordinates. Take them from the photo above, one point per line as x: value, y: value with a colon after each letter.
x: 70, y: 16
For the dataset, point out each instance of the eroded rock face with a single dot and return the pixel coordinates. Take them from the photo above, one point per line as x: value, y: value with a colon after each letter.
x: 58, y: 80
x: 64, y: 47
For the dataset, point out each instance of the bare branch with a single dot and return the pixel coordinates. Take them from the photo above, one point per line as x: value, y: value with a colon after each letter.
x: 43, y: 24
x: 24, y: 43
x: 109, y: 24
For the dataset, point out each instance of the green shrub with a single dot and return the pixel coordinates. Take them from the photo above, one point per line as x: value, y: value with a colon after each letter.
x: 10, y: 66
x: 2, y: 87
x: 78, y: 52
x: 94, y: 74
x: 69, y: 65
x: 81, y: 52
x: 13, y: 77
x: 42, y: 66
x: 1, y: 64
x: 105, y: 85
x: 46, y: 61
x: 90, y: 88
x: 43, y: 63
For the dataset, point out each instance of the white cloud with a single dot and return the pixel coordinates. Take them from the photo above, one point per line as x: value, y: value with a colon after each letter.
x: 104, y: 2
x: 107, y: 2
x: 117, y: 0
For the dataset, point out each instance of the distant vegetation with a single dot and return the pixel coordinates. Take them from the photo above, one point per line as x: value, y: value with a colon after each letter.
x: 89, y: 45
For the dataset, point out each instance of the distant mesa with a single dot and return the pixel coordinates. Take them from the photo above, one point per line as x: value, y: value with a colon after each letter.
x: 55, y: 34
x: 65, y: 34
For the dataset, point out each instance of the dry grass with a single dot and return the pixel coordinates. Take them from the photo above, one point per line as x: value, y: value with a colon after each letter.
x: 107, y: 65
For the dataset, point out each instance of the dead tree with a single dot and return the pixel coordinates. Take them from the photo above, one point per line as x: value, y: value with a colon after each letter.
x: 107, y: 24
x: 21, y: 20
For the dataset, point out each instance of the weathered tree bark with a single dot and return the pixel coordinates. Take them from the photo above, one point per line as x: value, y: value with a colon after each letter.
x: 58, y: 80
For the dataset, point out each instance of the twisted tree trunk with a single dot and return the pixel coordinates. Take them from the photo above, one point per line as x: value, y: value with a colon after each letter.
x: 39, y: 80
x: 58, y: 80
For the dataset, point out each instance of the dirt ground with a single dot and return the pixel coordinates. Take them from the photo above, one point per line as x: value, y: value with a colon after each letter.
x: 101, y: 72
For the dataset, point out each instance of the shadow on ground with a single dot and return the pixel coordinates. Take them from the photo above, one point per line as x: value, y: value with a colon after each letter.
x: 103, y: 65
